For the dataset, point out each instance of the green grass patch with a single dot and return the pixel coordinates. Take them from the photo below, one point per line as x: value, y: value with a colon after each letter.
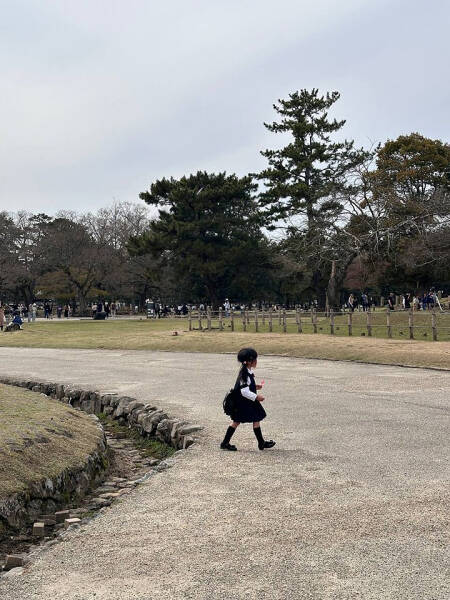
x: 40, y: 437
x: 149, y: 447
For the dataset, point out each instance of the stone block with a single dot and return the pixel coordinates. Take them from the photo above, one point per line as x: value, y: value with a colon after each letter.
x: 39, y: 529
x: 59, y: 391
x: 13, y: 561
x: 72, y: 521
x: 62, y: 515
x: 111, y: 495
x: 164, y: 429
x: 188, y: 429
x: 106, y: 399
x: 124, y: 401
x: 140, y: 415
x: 100, y: 502
x: 188, y: 440
x: 135, y: 405
x: 95, y: 403
x: 114, y: 401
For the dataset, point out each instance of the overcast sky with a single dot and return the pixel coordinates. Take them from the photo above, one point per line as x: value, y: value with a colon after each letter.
x: 98, y: 98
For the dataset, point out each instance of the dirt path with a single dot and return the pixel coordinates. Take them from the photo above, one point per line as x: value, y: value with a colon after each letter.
x: 353, y: 502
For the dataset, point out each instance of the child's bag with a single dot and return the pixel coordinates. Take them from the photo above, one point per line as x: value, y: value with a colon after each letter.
x: 229, y: 402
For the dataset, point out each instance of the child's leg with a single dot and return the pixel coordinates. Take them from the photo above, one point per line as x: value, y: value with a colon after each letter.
x: 225, y: 445
x: 261, y: 442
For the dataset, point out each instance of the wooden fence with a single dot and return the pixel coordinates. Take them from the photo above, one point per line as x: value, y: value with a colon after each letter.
x: 410, y: 324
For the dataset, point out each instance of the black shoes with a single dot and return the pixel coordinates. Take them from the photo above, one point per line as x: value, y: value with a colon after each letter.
x: 268, y: 444
x: 227, y: 446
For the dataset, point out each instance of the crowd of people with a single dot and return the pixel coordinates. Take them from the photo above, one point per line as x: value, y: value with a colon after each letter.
x: 156, y: 309
x: 423, y: 301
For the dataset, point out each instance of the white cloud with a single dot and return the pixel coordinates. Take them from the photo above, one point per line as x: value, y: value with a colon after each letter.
x: 99, y: 98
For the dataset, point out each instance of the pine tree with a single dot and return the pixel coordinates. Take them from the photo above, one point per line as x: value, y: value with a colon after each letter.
x: 305, y: 177
x: 208, y: 231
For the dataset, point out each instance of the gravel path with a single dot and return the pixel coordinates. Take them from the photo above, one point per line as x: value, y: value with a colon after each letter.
x: 353, y: 501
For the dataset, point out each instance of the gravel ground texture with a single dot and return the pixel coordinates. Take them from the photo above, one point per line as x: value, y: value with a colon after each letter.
x: 353, y: 501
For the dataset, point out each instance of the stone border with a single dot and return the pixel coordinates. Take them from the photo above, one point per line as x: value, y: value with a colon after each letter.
x: 146, y: 418
x: 49, y: 494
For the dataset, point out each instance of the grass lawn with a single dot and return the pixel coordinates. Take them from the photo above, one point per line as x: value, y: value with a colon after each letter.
x: 157, y: 335
x: 39, y: 437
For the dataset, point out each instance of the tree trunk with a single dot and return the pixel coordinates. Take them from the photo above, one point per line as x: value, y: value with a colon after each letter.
x: 332, y: 300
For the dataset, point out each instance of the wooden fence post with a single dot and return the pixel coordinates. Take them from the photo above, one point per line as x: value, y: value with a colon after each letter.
x: 256, y: 320
x: 411, y: 324
x: 200, y: 319
x: 369, y: 322
x: 314, y: 318
x: 244, y: 321
x: 220, y: 319
x: 284, y: 320
x: 388, y: 323
x: 433, y: 325
x: 247, y: 312
x: 208, y: 317
x: 270, y: 320
x: 299, y: 322
x: 350, y: 323
x: 263, y: 316
x: 232, y: 319
x: 331, y: 321
x: 190, y: 319
x: 279, y: 316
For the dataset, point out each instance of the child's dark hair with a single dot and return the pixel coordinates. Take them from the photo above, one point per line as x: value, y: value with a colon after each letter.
x: 246, y: 355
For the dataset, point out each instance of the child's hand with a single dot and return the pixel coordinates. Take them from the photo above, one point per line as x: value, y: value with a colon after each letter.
x: 260, y: 398
x: 259, y: 387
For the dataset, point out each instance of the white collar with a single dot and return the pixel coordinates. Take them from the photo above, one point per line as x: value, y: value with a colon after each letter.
x: 250, y: 370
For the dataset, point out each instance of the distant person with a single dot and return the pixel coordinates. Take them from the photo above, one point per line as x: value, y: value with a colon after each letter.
x: 107, y: 310
x: 113, y: 309
x: 17, y: 320
x: 247, y: 406
x: 59, y: 311
x: 99, y: 307
x: 365, y: 302
x: 351, y: 302
x: 66, y: 311
x: 391, y: 302
x: 424, y: 302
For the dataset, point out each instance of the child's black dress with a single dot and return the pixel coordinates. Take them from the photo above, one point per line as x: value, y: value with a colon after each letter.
x: 246, y: 410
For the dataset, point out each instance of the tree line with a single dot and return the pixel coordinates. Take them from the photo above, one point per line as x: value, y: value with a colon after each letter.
x: 322, y: 218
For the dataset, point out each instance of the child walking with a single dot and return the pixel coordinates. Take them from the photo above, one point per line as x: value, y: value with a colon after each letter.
x: 247, y: 408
